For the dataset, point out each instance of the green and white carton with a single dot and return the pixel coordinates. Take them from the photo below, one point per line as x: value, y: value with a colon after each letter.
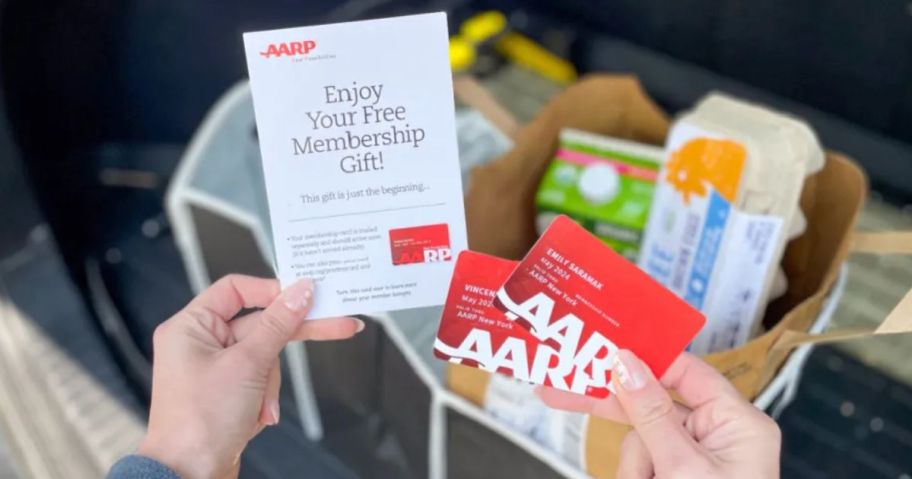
x: 605, y: 184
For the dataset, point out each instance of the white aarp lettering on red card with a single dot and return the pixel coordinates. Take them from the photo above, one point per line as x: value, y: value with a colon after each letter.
x: 583, y: 300
x: 559, y: 317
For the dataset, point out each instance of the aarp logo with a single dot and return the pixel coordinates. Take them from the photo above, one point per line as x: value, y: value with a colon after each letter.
x: 289, y: 49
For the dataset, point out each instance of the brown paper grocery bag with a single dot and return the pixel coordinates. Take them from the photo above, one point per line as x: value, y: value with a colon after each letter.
x: 500, y: 218
x: 899, y: 320
x: 500, y: 207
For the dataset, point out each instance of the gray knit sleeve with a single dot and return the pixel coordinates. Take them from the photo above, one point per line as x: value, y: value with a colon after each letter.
x: 139, y: 467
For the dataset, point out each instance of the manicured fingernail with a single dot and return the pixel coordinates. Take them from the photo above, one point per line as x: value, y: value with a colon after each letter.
x: 298, y: 296
x: 274, y: 408
x: 629, y: 370
x: 359, y: 325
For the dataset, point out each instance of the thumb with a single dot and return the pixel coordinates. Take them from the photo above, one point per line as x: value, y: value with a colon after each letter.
x: 279, y: 322
x: 652, y: 413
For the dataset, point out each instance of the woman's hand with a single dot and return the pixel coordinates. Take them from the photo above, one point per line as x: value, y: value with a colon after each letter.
x: 215, y: 379
x: 718, y: 435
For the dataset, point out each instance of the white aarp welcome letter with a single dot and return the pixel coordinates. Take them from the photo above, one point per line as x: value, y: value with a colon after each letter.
x: 358, y: 141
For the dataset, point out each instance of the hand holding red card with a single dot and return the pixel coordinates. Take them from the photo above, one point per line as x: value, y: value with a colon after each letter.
x: 569, y: 306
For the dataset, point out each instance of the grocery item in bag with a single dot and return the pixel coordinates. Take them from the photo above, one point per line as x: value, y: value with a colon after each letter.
x: 515, y: 404
x: 605, y: 184
x: 725, y: 204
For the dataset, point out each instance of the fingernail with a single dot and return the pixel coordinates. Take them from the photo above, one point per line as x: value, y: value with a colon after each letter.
x: 274, y: 408
x: 298, y: 296
x: 629, y: 370
x: 359, y: 325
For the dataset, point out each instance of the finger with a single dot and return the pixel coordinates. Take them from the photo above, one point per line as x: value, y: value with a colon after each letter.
x: 257, y: 429
x: 269, y: 410
x: 227, y: 296
x: 235, y: 468
x: 635, y: 462
x: 313, y: 330
x: 608, y: 408
x: 611, y: 409
x: 329, y: 329
x: 276, y: 325
x: 565, y: 400
x: 651, y: 412
x: 242, y: 326
x: 697, y: 382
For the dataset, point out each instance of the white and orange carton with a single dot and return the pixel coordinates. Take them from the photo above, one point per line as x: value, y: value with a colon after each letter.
x: 726, y: 203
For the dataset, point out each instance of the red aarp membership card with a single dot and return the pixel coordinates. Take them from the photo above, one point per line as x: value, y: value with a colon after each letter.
x: 420, y: 244
x: 561, y: 315
x: 471, y: 328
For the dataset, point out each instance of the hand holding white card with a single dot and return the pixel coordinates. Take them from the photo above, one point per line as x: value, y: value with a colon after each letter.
x: 357, y: 135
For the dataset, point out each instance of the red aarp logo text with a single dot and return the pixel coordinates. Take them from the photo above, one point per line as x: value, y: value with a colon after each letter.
x: 289, y: 49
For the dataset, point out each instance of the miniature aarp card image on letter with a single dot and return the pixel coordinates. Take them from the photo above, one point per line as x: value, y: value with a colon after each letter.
x: 420, y: 244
